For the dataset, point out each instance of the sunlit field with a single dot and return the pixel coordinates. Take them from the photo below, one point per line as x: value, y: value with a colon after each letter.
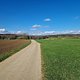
x: 61, y: 59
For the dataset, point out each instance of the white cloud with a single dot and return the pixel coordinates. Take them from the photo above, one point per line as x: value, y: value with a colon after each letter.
x: 49, y: 32
x: 47, y: 20
x: 71, y: 32
x: 19, y: 32
x: 2, y: 30
x: 54, y: 32
x: 79, y: 31
x: 36, y: 26
x: 43, y: 33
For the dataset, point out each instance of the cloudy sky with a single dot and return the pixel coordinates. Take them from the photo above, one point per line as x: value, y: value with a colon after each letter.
x: 39, y: 15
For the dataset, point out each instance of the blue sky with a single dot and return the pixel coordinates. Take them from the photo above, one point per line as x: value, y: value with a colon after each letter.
x: 39, y: 15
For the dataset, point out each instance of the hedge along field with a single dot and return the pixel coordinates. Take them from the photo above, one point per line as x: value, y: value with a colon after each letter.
x: 61, y: 59
x: 9, y: 47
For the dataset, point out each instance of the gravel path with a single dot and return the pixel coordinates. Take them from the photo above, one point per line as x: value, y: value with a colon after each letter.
x: 24, y: 65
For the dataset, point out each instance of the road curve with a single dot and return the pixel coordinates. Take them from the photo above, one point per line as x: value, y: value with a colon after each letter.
x: 24, y: 65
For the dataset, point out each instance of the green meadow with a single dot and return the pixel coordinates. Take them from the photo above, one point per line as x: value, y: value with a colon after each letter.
x: 60, y: 59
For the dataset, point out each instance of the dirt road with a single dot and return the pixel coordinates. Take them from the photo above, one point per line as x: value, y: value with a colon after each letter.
x: 24, y: 65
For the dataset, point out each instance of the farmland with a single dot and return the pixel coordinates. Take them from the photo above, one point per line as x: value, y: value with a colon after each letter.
x: 61, y: 59
x: 8, y: 47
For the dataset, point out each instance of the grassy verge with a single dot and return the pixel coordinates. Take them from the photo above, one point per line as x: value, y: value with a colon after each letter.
x: 61, y: 59
x: 7, y: 54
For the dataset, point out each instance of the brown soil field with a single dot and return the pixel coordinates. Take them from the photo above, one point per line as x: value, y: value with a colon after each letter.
x: 8, y: 45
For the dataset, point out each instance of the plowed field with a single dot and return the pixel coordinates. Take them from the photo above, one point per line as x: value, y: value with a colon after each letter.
x: 8, y: 45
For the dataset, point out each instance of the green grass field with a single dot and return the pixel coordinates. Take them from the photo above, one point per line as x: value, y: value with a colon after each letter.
x: 61, y: 59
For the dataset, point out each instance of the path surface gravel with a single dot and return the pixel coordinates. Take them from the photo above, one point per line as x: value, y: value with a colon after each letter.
x: 24, y: 65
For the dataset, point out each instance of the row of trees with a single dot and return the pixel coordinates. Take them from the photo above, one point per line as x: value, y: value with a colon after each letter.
x: 13, y: 36
x: 65, y: 36
x: 24, y: 36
